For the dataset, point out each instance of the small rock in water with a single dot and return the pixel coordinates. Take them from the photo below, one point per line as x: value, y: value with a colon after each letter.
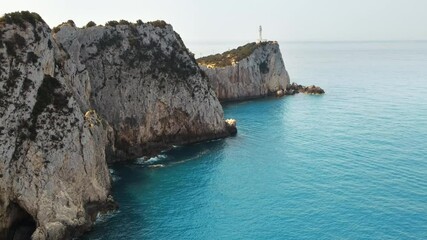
x: 231, y: 126
x: 296, y: 88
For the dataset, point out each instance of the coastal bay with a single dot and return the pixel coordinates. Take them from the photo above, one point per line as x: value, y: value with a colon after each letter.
x: 347, y: 164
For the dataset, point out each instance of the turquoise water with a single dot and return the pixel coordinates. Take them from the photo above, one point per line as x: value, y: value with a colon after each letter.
x: 351, y: 164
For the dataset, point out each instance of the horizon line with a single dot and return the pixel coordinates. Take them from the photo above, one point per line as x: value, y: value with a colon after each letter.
x: 308, y: 41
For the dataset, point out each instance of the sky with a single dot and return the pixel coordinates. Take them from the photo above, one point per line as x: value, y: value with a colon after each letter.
x: 239, y: 20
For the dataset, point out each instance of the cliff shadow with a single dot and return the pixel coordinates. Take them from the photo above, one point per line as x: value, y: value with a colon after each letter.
x: 21, y: 224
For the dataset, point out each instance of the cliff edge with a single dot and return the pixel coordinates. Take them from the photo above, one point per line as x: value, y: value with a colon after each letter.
x: 53, y: 174
x: 250, y: 71
x: 143, y: 81
x: 72, y: 98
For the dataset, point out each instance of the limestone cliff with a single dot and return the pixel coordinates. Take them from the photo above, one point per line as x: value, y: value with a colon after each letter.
x: 53, y: 174
x: 143, y: 80
x: 71, y: 98
x: 250, y: 71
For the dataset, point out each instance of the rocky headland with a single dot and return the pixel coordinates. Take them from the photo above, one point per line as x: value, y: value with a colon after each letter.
x: 73, y: 98
x: 250, y: 71
x: 144, y: 83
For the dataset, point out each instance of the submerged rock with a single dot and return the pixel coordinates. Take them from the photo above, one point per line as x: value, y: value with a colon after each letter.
x: 251, y: 71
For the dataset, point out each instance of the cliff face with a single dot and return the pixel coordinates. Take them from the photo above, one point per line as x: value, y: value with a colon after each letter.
x: 52, y: 164
x: 145, y: 83
x: 260, y: 73
x: 71, y: 99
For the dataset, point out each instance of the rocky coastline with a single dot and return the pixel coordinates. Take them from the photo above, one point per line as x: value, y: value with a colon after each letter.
x: 295, y: 88
x: 251, y: 71
x: 73, y: 99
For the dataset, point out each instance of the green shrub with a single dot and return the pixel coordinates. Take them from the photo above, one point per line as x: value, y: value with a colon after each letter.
x: 90, y: 24
x: 32, y: 57
x: 158, y: 23
x: 139, y: 22
x: 108, y: 40
x: 227, y: 58
x: 20, y: 18
x: 36, y: 35
x: 124, y: 22
x: 112, y: 23
x: 15, y: 42
x: 26, y: 85
x: 10, y: 49
x: 263, y: 67
x: 18, y: 40
x: 13, y: 76
x: 71, y: 23
x: 47, y: 94
x: 56, y: 29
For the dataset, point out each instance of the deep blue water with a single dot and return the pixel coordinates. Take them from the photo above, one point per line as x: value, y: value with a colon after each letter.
x: 351, y: 164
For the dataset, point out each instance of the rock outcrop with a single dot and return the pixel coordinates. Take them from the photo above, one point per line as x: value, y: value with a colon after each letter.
x: 231, y: 126
x: 144, y: 82
x: 53, y: 174
x: 251, y: 71
x: 71, y: 99
x: 296, y: 88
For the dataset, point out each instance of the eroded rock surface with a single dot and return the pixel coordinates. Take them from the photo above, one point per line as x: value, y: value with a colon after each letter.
x: 258, y: 74
x: 295, y: 88
x: 52, y: 163
x: 144, y: 82
x: 71, y: 99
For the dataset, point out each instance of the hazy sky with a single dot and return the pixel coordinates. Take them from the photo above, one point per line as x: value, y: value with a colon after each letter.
x: 225, y: 20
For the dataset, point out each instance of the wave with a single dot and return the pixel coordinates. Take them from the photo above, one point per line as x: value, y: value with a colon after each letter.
x: 151, y: 161
x: 103, y: 217
x: 113, y: 175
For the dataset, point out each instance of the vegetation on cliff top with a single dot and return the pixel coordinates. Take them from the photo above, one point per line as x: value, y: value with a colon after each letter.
x: 113, y: 23
x: 158, y: 23
x: 90, y: 24
x: 20, y: 18
x: 229, y: 57
x: 67, y: 23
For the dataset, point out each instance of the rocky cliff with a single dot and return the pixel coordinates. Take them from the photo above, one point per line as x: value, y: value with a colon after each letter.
x: 53, y: 174
x: 250, y: 71
x: 71, y: 98
x: 143, y: 80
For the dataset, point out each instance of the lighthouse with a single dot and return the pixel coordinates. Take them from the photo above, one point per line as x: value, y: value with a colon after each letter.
x: 260, y: 34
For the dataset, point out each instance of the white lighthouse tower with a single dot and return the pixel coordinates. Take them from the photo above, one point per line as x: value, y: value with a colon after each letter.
x: 260, y: 34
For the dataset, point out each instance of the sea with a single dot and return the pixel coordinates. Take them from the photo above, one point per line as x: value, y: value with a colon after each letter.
x: 350, y: 164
